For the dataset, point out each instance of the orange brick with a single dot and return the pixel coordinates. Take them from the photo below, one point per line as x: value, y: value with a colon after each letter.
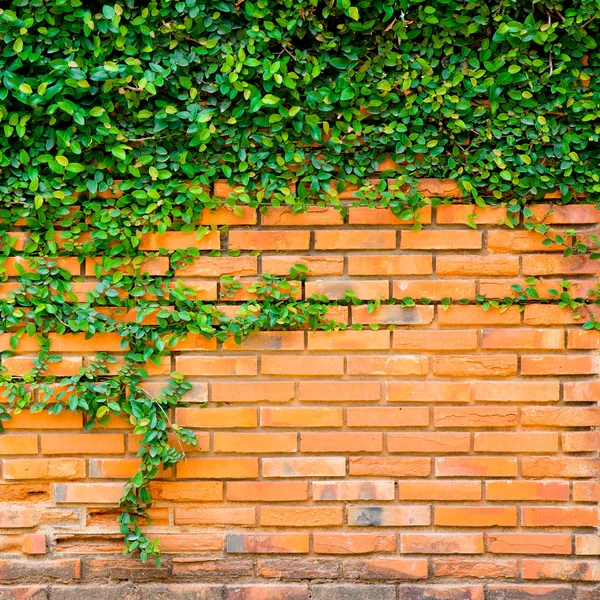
x: 318, y: 266
x: 475, y: 417
x: 559, y: 365
x: 522, y: 339
x: 66, y: 367
x: 314, y: 216
x: 314, y: 466
x: 393, y: 315
x: 337, y: 289
x: 475, y: 466
x: 268, y: 340
x: 267, y: 543
x: 386, y: 569
x: 580, y: 339
x: 488, y: 365
x: 44, y: 468
x: 223, y: 215
x: 393, y: 266
x: 251, y: 443
x: 587, y: 545
x: 584, y: 491
x: 559, y: 466
x: 477, y: 266
x: 556, y: 214
x: 83, y: 443
x: 428, y: 239
x: 429, y: 442
x: 288, y: 239
x: 352, y: 490
x: 516, y: 391
x: 581, y: 391
x: 338, y: 341
x: 357, y: 239
x: 390, y: 466
x: 218, y: 468
x: 439, y: 490
x: 387, y: 365
x: 88, y: 493
x: 529, y: 543
x: 217, y: 418
x: 527, y: 490
x: 560, y: 416
x: 255, y: 392
x: 301, y: 366
x: 581, y: 441
x: 339, y: 391
x: 433, y: 290
x: 550, y: 315
x: 476, y: 568
x: 188, y: 491
x: 388, y: 516
x: 427, y: 391
x: 441, y: 543
x: 11, y: 445
x: 217, y: 266
x: 507, y: 443
x: 474, y: 516
x: 216, y: 366
x: 24, y: 492
x: 562, y: 570
x: 366, y: 215
x: 174, y: 240
x: 458, y: 214
x: 353, y: 543
x: 301, y: 516
x: 545, y: 264
x: 387, y: 417
x: 295, y: 417
x: 516, y: 242
x: 218, y: 516
x: 267, y: 491
x: 341, y: 442
x: 475, y: 315
x: 551, y: 516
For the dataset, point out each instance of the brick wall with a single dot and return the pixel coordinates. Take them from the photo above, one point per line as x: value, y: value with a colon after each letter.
x: 454, y: 458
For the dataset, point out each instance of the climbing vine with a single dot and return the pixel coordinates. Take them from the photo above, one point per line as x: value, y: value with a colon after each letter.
x: 121, y: 120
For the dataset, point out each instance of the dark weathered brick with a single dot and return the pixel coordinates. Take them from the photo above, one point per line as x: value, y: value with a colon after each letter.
x: 297, y: 568
x: 266, y: 592
x: 46, y: 571
x: 23, y: 593
x: 353, y: 592
x: 532, y: 592
x: 441, y: 592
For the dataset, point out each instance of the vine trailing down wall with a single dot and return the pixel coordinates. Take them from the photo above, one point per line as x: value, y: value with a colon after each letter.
x: 150, y: 154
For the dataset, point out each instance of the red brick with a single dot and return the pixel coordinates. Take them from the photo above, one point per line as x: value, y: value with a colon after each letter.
x: 475, y: 568
x: 356, y: 239
x: 441, y: 543
x: 458, y: 239
x: 392, y: 266
x: 529, y: 543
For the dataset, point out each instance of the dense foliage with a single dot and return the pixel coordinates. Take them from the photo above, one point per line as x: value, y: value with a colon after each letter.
x: 118, y: 119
